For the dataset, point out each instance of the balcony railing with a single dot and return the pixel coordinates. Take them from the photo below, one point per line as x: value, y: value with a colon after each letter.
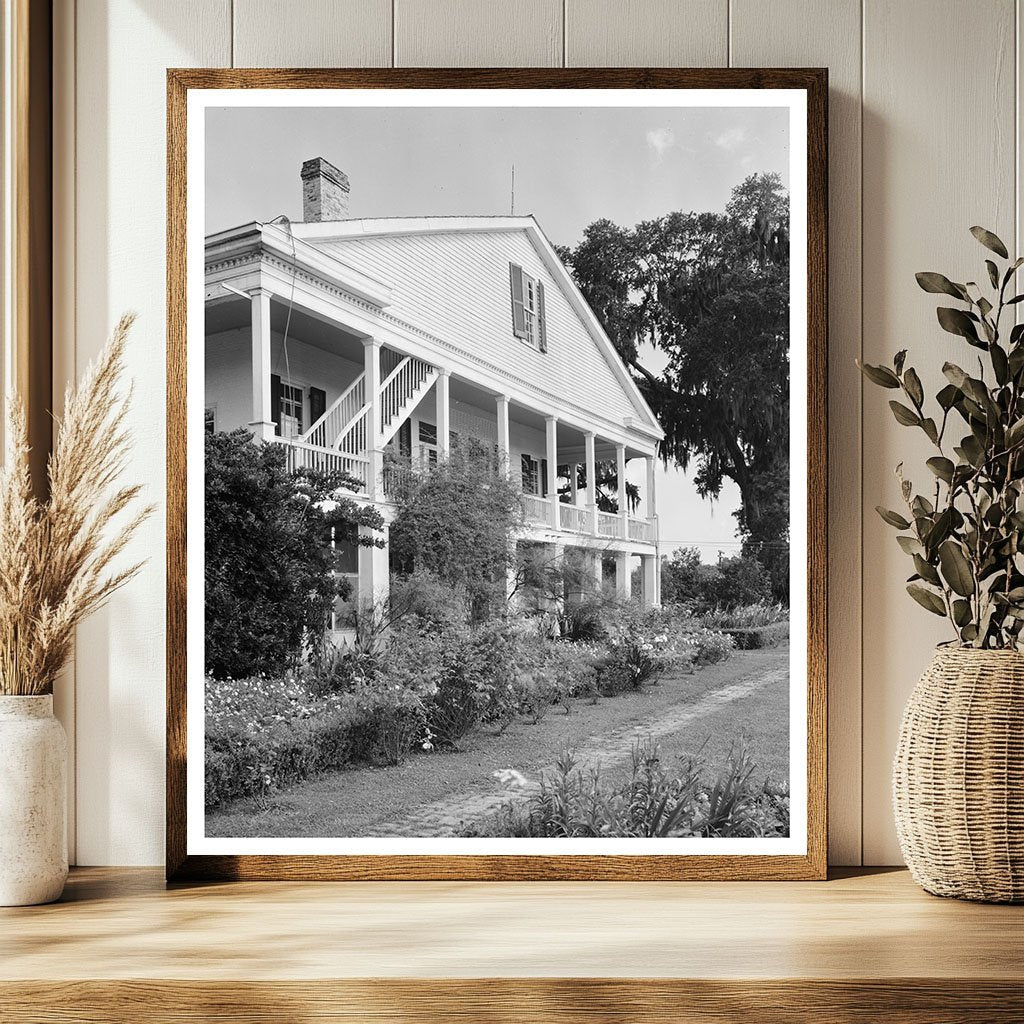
x: 574, y: 518
x: 641, y: 529
x: 326, y: 460
x: 609, y: 524
x: 536, y: 510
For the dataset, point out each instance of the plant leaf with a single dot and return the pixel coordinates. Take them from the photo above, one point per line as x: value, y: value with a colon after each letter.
x: 990, y: 241
x: 903, y: 415
x: 961, y: 612
x: 939, y: 284
x: 893, y: 518
x: 926, y: 598
x: 926, y: 571
x: 910, y: 545
x: 880, y: 375
x: 993, y: 273
x: 956, y: 321
x: 955, y: 568
x: 912, y: 385
x: 941, y: 467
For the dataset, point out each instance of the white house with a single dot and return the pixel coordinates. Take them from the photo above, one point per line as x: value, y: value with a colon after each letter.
x: 347, y: 340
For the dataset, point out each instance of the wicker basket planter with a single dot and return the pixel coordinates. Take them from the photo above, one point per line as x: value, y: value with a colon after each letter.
x: 958, y: 776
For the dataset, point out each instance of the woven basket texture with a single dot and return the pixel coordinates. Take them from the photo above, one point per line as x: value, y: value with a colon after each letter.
x: 958, y: 776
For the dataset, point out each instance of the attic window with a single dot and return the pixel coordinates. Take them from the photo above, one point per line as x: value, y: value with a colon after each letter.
x: 528, y: 319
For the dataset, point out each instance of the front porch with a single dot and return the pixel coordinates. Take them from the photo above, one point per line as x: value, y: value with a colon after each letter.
x: 343, y: 394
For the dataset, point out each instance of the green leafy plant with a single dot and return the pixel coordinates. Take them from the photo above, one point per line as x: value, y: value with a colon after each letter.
x: 965, y: 530
x: 649, y: 800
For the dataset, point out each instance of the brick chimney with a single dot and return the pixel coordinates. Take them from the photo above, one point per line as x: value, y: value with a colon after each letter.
x: 324, y: 191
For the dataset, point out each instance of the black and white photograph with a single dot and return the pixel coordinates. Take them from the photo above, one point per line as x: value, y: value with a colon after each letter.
x: 497, y: 473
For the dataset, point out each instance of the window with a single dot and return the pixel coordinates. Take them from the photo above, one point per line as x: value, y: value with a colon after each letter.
x: 535, y: 475
x: 528, y: 318
x: 211, y: 419
x: 291, y: 410
x: 427, y: 435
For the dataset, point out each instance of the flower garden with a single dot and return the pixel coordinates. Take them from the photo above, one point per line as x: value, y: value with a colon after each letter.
x: 423, y: 686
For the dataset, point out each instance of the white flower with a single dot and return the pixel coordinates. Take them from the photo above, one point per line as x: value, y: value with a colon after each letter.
x: 510, y: 778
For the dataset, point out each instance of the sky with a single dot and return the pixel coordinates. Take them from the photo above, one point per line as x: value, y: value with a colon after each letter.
x: 572, y: 167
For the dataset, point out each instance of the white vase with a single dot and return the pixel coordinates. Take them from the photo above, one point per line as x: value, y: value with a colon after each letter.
x: 33, y: 802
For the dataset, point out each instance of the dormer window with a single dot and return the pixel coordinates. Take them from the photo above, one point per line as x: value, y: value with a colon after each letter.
x: 528, y: 319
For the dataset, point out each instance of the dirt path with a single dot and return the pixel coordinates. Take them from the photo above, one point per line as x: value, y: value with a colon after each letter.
x: 436, y: 794
x: 445, y: 817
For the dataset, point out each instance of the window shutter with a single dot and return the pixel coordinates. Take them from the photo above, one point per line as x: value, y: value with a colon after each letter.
x: 518, y: 312
x: 543, y: 478
x: 542, y: 327
x: 317, y: 404
x: 275, y: 400
x: 405, y: 440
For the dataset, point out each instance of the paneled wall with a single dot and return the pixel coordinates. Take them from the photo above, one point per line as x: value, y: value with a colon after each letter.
x: 925, y: 141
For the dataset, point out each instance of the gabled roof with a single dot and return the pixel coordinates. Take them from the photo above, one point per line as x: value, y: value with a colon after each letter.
x: 331, y: 231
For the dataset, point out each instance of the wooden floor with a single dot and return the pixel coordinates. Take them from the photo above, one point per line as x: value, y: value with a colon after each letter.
x: 863, y: 947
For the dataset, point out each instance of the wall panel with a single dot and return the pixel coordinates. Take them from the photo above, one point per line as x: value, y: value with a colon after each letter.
x: 123, y: 50
x: 939, y: 156
x: 312, y: 33
x: 938, y: 137
x: 478, y: 33
x: 786, y: 33
x: 646, y: 33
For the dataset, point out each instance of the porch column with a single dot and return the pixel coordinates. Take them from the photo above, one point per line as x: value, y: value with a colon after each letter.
x: 574, y: 473
x: 374, y: 579
x: 443, y: 412
x: 558, y: 561
x: 551, y: 425
x: 650, y: 505
x: 622, y: 581
x: 504, y: 449
x: 597, y: 568
x: 591, y: 483
x: 262, y: 422
x: 374, y: 449
x: 649, y: 575
x: 620, y: 479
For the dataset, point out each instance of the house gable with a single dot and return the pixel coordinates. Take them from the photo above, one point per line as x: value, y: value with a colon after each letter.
x: 452, y: 281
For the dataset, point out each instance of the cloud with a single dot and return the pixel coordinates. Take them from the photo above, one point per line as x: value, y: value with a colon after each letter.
x: 661, y: 140
x: 731, y: 139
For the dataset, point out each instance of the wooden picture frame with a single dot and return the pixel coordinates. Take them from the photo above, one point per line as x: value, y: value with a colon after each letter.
x: 811, y: 864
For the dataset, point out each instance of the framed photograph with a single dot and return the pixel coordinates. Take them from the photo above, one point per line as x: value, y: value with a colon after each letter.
x: 496, y: 474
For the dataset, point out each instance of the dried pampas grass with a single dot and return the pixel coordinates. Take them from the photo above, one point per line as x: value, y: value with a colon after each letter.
x: 56, y: 556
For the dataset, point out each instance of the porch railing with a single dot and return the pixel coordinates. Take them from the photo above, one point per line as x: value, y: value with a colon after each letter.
x: 398, y: 388
x: 574, y: 518
x: 537, y: 510
x: 609, y: 524
x: 640, y: 529
x: 325, y: 460
x: 330, y: 430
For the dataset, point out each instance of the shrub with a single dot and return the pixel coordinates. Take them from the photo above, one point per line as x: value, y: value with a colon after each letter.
x: 758, y: 637
x: 710, y: 646
x: 649, y: 801
x: 732, y: 582
x: 750, y: 616
x: 262, y: 733
x: 455, y: 521
x: 269, y: 581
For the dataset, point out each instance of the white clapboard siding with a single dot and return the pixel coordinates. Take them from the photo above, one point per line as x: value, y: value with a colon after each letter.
x: 123, y: 51
x: 790, y: 33
x: 646, y: 33
x: 312, y: 33
x: 455, y: 286
x: 938, y: 157
x: 478, y: 33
